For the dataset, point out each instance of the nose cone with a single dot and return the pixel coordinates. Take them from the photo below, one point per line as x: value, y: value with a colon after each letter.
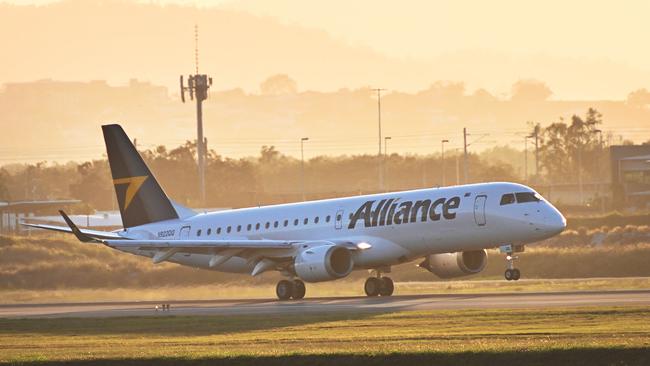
x: 554, y: 223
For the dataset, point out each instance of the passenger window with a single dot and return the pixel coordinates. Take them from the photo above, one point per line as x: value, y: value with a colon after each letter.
x: 327, y: 218
x: 286, y: 223
x: 527, y: 197
x: 238, y: 228
x: 275, y: 224
x: 338, y: 217
x: 507, y: 199
x: 209, y: 231
x: 248, y: 227
x: 218, y: 231
x: 268, y: 224
x: 257, y: 226
x: 295, y: 222
x: 229, y: 229
x: 198, y: 232
x: 305, y: 221
x: 316, y: 219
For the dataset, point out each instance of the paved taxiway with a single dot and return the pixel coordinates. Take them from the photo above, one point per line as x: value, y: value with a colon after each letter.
x: 332, y: 304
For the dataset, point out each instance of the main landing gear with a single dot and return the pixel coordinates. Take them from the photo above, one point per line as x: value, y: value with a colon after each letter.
x: 378, y: 285
x: 511, y: 273
x: 290, y: 289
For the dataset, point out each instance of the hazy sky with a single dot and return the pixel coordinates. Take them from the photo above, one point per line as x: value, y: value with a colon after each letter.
x: 594, y: 29
x: 584, y: 50
x: 534, y: 39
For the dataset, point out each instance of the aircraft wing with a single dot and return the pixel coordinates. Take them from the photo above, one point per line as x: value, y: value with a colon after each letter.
x: 83, y: 235
x: 265, y: 252
x: 95, y: 234
x: 199, y: 244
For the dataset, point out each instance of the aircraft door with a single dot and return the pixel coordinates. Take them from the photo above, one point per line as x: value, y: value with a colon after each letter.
x: 184, y: 234
x: 338, y: 220
x: 479, y: 209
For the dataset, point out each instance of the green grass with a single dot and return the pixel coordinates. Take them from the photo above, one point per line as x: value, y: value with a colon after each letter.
x: 594, y: 336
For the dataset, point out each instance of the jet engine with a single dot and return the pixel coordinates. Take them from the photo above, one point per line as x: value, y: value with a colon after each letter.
x: 450, y: 265
x: 323, y: 263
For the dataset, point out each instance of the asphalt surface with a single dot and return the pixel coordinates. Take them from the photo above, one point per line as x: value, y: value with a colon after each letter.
x: 331, y: 304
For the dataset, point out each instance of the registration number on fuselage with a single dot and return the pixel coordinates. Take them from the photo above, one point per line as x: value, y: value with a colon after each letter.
x: 166, y: 233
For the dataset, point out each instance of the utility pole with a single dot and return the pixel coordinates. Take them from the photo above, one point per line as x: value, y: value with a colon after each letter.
x: 465, y: 178
x: 526, y: 158
x: 457, y: 167
x: 535, y: 135
x: 385, y: 162
x: 302, y: 166
x: 197, y: 86
x: 442, y: 153
x: 381, y: 175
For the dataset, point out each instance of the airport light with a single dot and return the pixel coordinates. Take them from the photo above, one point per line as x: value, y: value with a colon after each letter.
x: 302, y: 166
x: 442, y: 153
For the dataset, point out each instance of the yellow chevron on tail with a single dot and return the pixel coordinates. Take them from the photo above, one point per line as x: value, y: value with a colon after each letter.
x: 134, y: 185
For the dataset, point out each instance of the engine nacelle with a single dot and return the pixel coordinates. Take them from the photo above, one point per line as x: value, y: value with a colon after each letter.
x: 323, y: 263
x: 450, y: 265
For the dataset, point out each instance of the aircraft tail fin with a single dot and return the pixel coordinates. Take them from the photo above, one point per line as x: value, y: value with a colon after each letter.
x: 140, y: 197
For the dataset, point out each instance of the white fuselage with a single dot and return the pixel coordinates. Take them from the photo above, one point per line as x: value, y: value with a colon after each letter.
x: 398, y: 226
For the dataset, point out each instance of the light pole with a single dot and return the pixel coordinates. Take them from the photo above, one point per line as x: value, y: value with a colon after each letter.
x: 302, y: 165
x: 598, y: 157
x: 386, y: 145
x: 465, y: 155
x: 442, y: 153
x: 381, y: 171
x: 385, y: 162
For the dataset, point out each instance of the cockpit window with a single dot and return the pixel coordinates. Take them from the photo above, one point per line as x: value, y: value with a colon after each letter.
x: 507, y: 199
x: 527, y: 197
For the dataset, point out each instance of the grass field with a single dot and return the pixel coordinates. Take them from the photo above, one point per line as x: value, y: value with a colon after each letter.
x: 584, y: 336
x: 337, y: 288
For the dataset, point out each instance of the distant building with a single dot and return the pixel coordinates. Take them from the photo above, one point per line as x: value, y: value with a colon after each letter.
x: 630, y: 176
x: 12, y: 213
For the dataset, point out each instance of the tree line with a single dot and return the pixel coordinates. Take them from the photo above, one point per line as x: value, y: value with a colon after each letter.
x: 569, y: 150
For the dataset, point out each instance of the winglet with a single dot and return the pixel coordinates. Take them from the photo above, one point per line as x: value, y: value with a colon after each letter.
x: 75, y: 230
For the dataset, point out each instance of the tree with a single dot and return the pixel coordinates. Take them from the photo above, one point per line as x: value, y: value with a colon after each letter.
x: 280, y: 84
x: 445, y: 90
x: 566, y: 147
x: 554, y: 151
x: 93, y: 187
x: 530, y: 91
x: 639, y: 98
x: 4, y: 190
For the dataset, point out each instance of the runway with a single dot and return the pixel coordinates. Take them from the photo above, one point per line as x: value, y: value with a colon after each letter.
x: 332, y: 304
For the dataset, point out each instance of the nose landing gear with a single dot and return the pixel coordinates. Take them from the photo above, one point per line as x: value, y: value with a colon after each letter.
x: 511, y: 273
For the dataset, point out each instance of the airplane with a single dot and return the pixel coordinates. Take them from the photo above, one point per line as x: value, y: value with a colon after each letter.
x: 448, y: 228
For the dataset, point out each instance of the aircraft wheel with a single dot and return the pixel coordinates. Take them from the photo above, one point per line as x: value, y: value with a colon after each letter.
x: 284, y: 289
x: 387, y: 286
x: 516, y: 274
x: 298, y: 290
x: 372, y: 286
x: 508, y: 274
